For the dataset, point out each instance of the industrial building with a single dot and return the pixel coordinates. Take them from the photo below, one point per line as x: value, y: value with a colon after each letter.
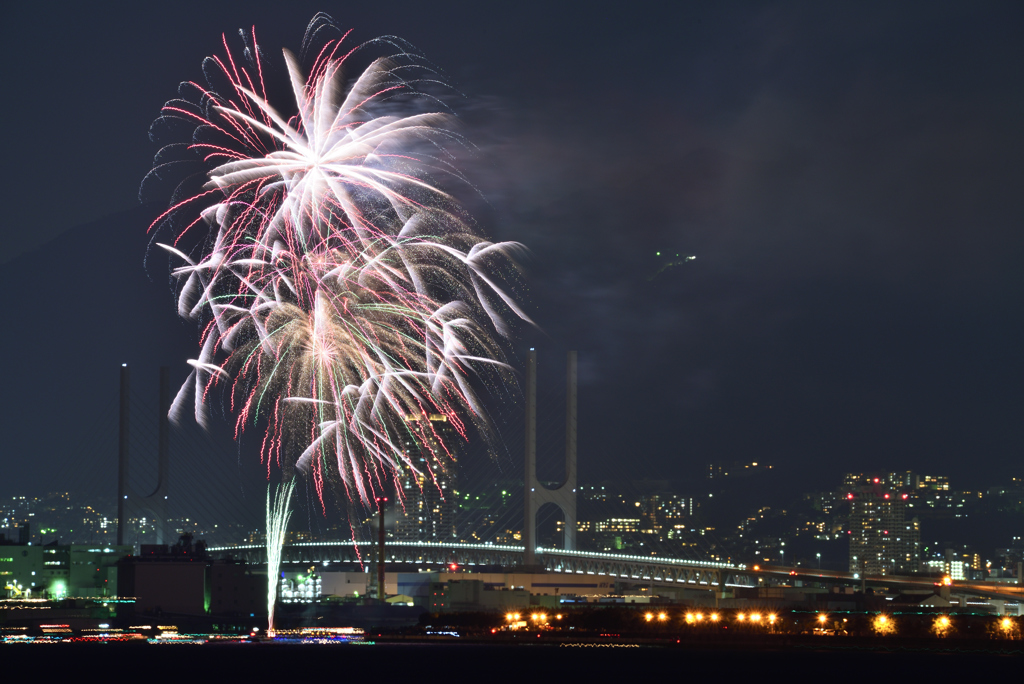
x: 60, y: 570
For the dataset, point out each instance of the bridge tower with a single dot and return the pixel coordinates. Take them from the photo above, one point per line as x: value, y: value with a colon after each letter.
x: 155, y: 503
x: 536, y: 494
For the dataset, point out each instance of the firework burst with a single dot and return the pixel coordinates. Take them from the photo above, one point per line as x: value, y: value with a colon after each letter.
x: 340, y: 291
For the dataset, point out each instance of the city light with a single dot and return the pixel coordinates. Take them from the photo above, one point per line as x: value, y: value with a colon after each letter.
x: 653, y: 582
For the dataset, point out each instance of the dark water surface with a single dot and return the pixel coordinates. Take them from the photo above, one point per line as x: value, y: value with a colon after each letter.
x: 489, y: 663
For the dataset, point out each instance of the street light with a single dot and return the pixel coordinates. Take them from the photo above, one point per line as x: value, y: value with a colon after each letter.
x: 819, y: 560
x: 883, y: 625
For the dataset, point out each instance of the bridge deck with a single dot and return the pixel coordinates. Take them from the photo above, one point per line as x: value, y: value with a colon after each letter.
x: 664, y: 571
x: 654, y: 570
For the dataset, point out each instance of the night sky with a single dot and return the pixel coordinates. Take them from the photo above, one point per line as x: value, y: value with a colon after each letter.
x: 849, y: 177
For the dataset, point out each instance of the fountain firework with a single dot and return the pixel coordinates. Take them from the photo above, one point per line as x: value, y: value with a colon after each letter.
x: 278, y: 514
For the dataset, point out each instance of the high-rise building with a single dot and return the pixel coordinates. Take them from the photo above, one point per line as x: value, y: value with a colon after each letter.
x: 882, y: 541
x: 665, y: 511
x: 936, y: 482
x: 906, y: 480
x: 428, y: 489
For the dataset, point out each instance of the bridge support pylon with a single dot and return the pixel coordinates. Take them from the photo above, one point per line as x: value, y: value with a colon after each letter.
x: 155, y: 503
x: 536, y: 494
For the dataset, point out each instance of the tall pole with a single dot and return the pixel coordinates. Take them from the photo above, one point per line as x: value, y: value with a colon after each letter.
x: 122, y: 456
x: 163, y: 454
x: 569, y: 513
x: 530, y: 528
x: 382, y: 593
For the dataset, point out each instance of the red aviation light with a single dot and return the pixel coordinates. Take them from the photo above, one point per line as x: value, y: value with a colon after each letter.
x: 886, y: 496
x: 850, y: 495
x: 905, y: 497
x: 876, y: 480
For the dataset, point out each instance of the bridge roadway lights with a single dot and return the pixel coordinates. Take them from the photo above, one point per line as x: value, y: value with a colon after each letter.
x: 709, y: 575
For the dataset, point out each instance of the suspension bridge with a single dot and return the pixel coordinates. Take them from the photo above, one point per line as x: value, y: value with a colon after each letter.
x: 193, y: 491
x: 541, y: 501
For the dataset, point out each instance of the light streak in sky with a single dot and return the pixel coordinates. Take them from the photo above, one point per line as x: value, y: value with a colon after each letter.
x: 339, y: 288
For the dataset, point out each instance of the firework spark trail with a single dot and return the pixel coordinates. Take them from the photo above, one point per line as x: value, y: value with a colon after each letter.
x: 278, y: 514
x: 339, y: 291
